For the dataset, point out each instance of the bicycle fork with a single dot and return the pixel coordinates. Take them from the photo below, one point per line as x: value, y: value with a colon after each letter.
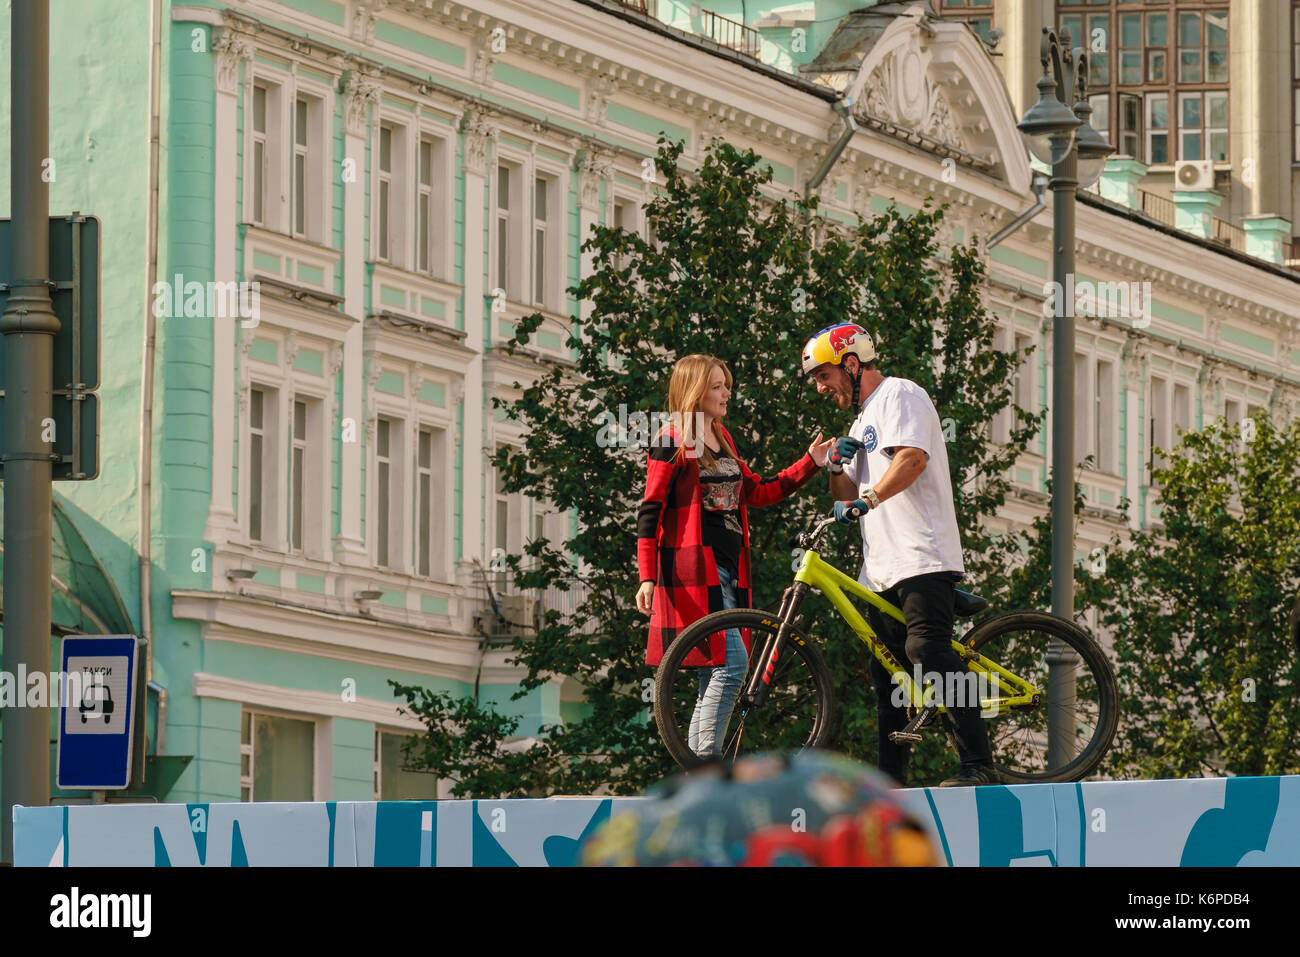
x: 760, y: 680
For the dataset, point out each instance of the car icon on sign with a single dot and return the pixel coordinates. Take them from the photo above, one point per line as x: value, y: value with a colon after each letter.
x: 96, y: 701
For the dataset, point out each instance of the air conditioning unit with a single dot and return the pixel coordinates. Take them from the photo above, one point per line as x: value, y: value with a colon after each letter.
x: 1194, y: 174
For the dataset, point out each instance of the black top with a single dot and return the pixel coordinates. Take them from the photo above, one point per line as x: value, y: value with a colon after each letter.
x: 720, y: 486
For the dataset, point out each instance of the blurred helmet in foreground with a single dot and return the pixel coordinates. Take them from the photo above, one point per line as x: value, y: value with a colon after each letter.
x: 812, y: 808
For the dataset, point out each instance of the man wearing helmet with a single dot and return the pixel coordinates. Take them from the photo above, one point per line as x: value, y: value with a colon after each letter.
x: 893, y: 467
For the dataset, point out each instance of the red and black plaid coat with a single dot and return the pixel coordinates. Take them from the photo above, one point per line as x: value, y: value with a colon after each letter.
x: 676, y: 559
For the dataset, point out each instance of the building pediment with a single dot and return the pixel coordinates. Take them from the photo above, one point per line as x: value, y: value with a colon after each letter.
x: 930, y: 82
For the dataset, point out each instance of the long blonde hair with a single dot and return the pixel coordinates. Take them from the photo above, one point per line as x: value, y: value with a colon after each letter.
x: 689, y: 382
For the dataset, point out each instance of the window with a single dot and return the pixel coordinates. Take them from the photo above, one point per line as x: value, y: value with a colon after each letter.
x: 1024, y: 380
x: 1104, y: 418
x: 1189, y: 48
x: 1203, y: 119
x: 503, y: 226
x: 1182, y: 410
x: 429, y: 503
x: 296, y: 478
x: 1083, y: 433
x: 540, y: 262
x: 1232, y: 411
x: 385, y: 197
x: 1161, y: 50
x: 424, y: 207
x: 392, y: 781
x: 1157, y: 47
x: 1130, y: 125
x: 277, y: 758
x: 1100, y: 119
x: 1098, y: 45
x: 299, y: 193
x: 384, y: 473
x: 1130, y: 48
x: 258, y: 482
x: 1158, y: 424
x: 510, y: 522
x: 1157, y: 128
x: 259, y: 154
x: 976, y: 13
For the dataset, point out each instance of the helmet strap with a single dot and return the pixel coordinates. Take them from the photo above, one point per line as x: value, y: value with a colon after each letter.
x: 856, y: 380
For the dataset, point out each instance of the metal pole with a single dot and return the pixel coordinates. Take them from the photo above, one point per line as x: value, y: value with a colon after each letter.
x: 1060, y: 659
x: 29, y: 326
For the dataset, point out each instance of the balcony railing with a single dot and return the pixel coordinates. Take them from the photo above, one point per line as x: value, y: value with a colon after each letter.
x: 1157, y: 207
x: 1231, y: 236
x: 1291, y: 255
x: 648, y: 7
x: 730, y: 34
x: 509, y: 609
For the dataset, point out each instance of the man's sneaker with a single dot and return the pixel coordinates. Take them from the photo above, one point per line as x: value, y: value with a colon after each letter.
x: 971, y: 774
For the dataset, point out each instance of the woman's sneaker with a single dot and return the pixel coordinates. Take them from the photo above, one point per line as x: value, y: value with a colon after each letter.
x: 973, y: 774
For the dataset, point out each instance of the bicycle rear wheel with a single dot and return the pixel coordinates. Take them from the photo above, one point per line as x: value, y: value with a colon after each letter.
x: 1020, y: 641
x: 799, y: 711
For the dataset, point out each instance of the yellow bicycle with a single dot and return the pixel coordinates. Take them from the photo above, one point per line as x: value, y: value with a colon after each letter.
x: 1043, y: 684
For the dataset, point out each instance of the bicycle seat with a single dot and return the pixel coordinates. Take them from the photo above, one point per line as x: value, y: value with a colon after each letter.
x: 967, y: 604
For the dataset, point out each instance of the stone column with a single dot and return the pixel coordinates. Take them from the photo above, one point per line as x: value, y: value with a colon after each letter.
x: 360, y: 93
x: 232, y: 51
x: 1134, y: 361
x: 476, y: 135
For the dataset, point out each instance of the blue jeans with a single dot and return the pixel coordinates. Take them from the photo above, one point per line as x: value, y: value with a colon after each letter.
x: 719, y: 685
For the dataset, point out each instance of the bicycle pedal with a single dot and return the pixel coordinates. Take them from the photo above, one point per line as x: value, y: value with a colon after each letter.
x: 904, y: 737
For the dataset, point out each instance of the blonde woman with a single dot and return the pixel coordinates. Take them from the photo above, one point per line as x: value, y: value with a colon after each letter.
x: 693, y: 534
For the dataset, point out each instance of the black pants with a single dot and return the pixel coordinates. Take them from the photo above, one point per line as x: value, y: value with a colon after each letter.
x: 927, y: 605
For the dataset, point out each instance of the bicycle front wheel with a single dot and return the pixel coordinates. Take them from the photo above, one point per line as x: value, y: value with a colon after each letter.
x: 1065, y: 735
x: 798, y: 712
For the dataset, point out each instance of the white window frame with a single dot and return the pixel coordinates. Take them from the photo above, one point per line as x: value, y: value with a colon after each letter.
x: 518, y: 517
x: 377, y: 778
x: 436, y: 252
x: 280, y: 150
x: 507, y: 224
x: 435, y: 475
x: 319, y: 744
x: 259, y: 167
x: 1105, y: 422
x: 1157, y: 424
x: 315, y: 159
x: 271, y: 429
x: 400, y: 476
x: 1151, y: 131
x: 316, y: 469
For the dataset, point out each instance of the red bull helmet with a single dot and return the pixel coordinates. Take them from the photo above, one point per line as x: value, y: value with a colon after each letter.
x: 835, y: 342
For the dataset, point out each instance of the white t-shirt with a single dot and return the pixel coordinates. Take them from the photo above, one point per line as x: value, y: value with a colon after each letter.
x: 915, y: 531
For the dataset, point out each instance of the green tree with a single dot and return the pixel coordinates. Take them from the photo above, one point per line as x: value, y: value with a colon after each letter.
x: 1199, y: 608
x: 736, y: 275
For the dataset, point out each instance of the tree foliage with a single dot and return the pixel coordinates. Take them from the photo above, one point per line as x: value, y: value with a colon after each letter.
x: 1198, y: 608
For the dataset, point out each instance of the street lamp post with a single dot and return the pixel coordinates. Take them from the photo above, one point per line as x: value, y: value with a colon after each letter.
x: 1060, y: 136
